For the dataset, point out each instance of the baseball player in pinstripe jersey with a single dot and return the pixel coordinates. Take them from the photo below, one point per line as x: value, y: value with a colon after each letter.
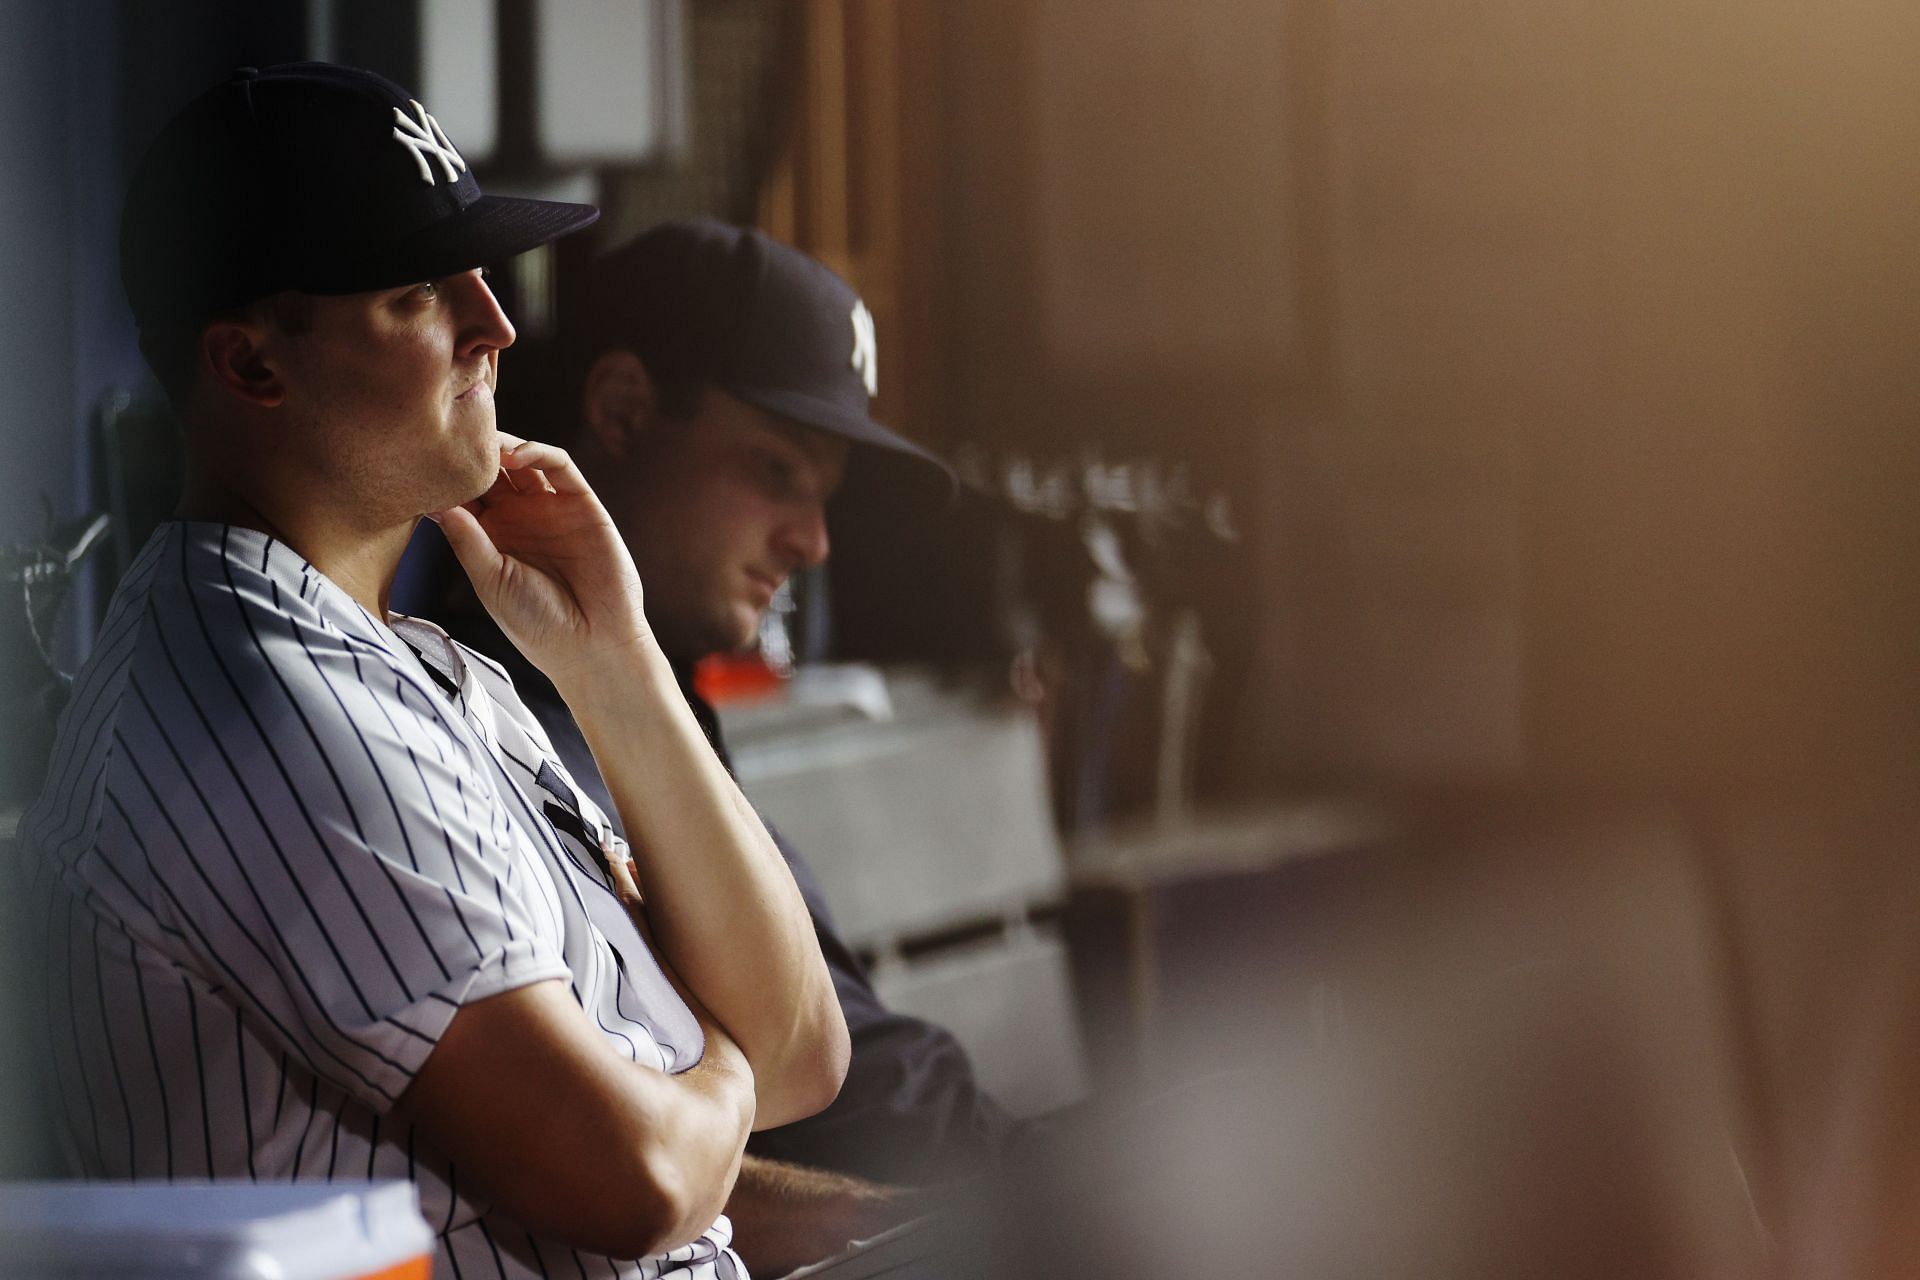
x: 320, y: 900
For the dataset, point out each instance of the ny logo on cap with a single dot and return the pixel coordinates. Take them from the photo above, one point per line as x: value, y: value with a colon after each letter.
x: 425, y: 137
x: 866, y: 358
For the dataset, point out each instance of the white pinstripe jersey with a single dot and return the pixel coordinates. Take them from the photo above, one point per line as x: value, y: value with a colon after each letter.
x: 280, y: 843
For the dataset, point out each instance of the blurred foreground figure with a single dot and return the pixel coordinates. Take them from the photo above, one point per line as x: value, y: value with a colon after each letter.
x: 321, y: 901
x: 721, y: 383
x: 1518, y: 1071
x: 1577, y: 1040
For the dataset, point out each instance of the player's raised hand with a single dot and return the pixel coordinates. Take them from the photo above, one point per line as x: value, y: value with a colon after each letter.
x: 547, y: 562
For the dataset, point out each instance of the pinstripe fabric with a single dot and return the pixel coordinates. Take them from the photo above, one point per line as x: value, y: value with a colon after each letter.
x: 279, y: 845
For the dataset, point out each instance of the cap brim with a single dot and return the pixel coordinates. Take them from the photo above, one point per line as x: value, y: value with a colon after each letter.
x: 890, y: 465
x: 491, y: 229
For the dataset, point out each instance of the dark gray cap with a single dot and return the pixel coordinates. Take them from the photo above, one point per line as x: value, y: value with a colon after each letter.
x: 762, y: 321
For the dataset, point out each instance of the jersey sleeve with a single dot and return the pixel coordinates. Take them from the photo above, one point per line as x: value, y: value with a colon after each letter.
x: 324, y: 837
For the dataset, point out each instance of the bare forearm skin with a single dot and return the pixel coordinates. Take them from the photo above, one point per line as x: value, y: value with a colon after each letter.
x: 788, y: 1215
x: 719, y: 898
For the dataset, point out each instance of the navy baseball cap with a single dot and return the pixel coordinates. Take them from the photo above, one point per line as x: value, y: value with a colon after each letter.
x: 309, y: 176
x: 764, y: 322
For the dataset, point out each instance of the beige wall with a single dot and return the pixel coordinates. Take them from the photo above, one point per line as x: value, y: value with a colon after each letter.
x: 1566, y: 346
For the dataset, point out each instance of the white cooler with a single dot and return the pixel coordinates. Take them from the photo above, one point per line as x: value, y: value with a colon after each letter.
x: 213, y: 1231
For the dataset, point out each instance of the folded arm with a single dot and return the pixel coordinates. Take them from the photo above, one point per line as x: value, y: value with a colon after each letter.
x: 549, y: 564
x: 575, y: 1142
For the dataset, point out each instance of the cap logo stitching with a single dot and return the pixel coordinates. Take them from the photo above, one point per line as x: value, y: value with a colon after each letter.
x: 425, y: 137
x: 866, y: 356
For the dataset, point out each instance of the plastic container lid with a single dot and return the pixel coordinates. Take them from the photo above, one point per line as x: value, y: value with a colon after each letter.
x: 209, y: 1230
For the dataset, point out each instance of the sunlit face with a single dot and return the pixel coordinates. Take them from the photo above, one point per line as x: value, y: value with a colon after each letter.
x: 719, y: 510
x: 395, y: 388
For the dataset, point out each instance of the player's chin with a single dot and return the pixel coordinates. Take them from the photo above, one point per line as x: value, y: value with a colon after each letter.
x: 472, y: 474
x: 741, y: 629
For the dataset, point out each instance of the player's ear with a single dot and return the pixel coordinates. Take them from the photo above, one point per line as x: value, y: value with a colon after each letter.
x: 235, y: 352
x: 618, y: 401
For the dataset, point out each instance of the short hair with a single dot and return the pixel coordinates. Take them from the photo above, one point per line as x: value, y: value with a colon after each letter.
x: 173, y: 351
x: 680, y: 366
x: 676, y: 296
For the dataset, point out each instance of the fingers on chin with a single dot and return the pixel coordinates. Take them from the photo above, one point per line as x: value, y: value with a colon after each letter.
x: 534, y: 453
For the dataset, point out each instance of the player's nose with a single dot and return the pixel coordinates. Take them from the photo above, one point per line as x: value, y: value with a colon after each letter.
x: 483, y: 325
x: 803, y: 535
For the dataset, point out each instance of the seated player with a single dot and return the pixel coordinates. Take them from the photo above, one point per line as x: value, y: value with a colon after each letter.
x: 321, y: 901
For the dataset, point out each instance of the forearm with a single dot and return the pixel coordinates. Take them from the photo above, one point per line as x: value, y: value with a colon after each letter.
x: 711, y: 1114
x: 696, y: 1126
x: 787, y: 1215
x: 720, y: 900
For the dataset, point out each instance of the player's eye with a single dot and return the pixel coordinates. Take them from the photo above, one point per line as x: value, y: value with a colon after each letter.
x: 778, y: 471
x: 427, y: 291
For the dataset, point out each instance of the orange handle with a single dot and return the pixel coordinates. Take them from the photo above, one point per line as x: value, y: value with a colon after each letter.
x: 420, y: 1268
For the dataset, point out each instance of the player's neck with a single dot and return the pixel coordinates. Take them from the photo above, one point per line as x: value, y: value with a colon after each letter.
x: 205, y: 498
x: 359, y: 560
